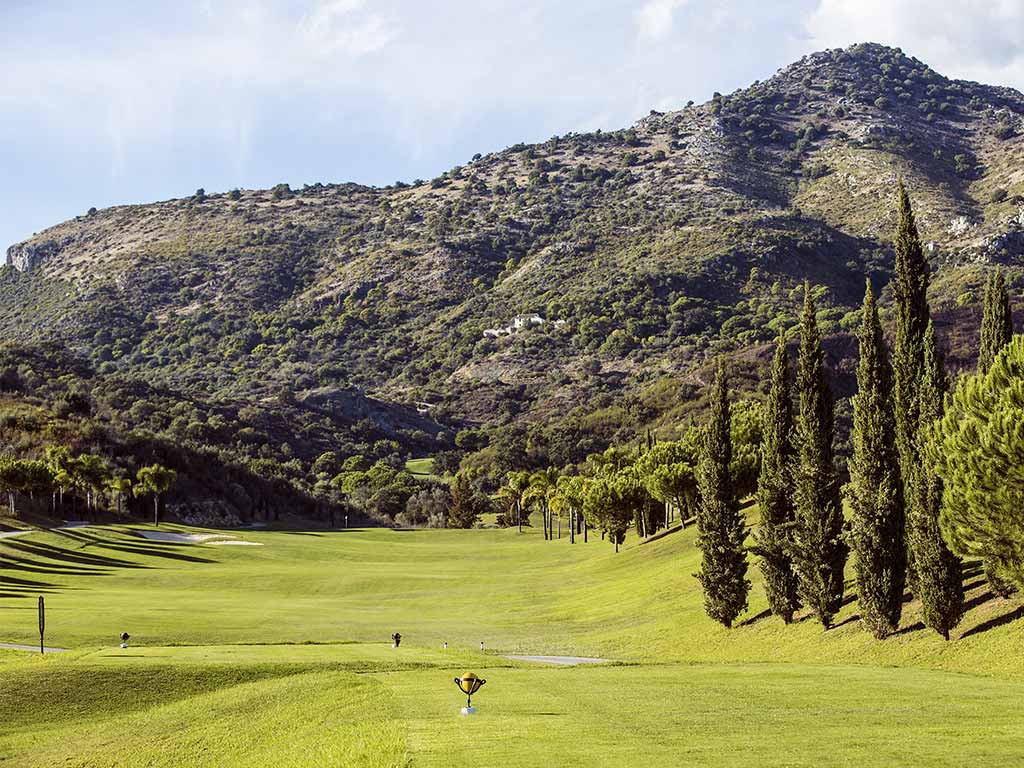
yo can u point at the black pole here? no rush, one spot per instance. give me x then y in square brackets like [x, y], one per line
[42, 624]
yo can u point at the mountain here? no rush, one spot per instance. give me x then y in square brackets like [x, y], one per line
[630, 259]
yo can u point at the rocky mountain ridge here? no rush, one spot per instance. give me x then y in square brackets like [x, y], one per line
[685, 236]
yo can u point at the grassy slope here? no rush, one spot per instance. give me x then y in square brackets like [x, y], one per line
[216, 702]
[517, 593]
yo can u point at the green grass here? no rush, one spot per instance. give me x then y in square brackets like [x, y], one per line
[745, 715]
[279, 655]
[421, 467]
[167, 716]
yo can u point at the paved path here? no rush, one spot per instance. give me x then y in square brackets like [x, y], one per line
[568, 660]
[12, 534]
[66, 526]
[34, 648]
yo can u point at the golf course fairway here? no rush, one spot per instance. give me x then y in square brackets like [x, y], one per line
[280, 655]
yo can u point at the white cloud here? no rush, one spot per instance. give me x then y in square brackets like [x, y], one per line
[654, 19]
[160, 97]
[209, 77]
[334, 26]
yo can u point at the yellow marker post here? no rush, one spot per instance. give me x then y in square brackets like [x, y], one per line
[469, 684]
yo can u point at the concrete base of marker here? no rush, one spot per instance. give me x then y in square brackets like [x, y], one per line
[469, 710]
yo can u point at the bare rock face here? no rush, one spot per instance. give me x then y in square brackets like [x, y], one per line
[25, 257]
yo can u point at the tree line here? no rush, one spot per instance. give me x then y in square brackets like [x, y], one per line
[80, 481]
[645, 486]
[933, 477]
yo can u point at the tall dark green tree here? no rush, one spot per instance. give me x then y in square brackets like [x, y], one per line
[721, 529]
[996, 332]
[939, 574]
[910, 296]
[468, 503]
[819, 551]
[996, 321]
[775, 490]
[876, 489]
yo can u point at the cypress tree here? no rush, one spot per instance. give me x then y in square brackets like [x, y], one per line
[996, 321]
[721, 529]
[819, 551]
[996, 332]
[876, 493]
[910, 294]
[939, 573]
[775, 492]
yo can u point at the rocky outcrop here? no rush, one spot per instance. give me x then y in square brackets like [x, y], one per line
[27, 256]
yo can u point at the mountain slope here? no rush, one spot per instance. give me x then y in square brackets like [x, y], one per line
[659, 246]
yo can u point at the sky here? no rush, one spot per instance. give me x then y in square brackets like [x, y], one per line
[119, 101]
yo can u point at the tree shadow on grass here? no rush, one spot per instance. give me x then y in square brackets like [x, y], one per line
[981, 599]
[995, 621]
[8, 581]
[971, 569]
[63, 555]
[849, 597]
[14, 587]
[12, 563]
[754, 619]
[145, 547]
[848, 620]
[915, 627]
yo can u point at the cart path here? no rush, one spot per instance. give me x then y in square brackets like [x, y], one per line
[12, 534]
[567, 660]
[30, 648]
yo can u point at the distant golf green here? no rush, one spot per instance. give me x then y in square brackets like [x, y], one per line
[420, 467]
[279, 654]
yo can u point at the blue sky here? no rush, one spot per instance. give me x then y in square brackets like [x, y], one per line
[117, 101]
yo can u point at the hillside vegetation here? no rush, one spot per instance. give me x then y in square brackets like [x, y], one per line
[276, 325]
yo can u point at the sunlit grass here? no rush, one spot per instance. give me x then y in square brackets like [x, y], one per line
[280, 654]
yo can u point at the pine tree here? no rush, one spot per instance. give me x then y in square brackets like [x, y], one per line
[977, 448]
[939, 573]
[775, 492]
[910, 295]
[721, 529]
[996, 332]
[876, 493]
[819, 551]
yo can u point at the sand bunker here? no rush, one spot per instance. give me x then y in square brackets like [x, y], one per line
[181, 538]
[238, 543]
[171, 537]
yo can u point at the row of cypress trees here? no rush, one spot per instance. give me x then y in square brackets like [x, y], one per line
[895, 497]
[800, 540]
